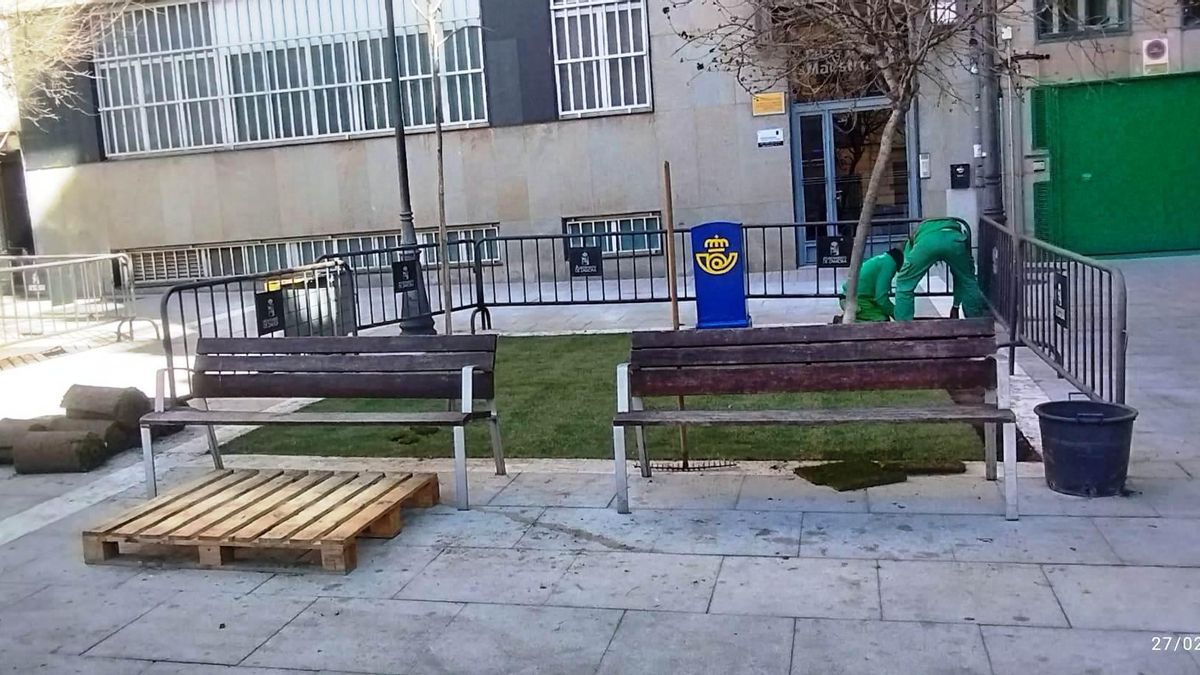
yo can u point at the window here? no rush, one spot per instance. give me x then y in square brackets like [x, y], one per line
[213, 73]
[463, 243]
[1061, 18]
[639, 233]
[1191, 12]
[601, 56]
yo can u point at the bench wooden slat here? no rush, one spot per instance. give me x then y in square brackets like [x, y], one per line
[339, 385]
[821, 352]
[263, 506]
[204, 506]
[814, 417]
[241, 418]
[336, 516]
[361, 520]
[297, 503]
[376, 344]
[214, 517]
[316, 509]
[893, 330]
[183, 502]
[950, 374]
[345, 363]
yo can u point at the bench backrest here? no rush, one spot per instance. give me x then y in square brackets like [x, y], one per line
[343, 367]
[942, 354]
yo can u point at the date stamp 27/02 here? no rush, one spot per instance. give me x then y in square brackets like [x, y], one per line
[1175, 643]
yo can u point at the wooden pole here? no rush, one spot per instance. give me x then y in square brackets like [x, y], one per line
[672, 287]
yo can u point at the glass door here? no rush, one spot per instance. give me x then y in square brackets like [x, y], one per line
[835, 150]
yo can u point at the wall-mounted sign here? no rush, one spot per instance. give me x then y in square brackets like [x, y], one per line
[924, 170]
[960, 176]
[268, 311]
[767, 103]
[833, 251]
[1062, 300]
[769, 138]
[405, 274]
[586, 261]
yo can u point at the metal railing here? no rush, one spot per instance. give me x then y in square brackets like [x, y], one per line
[379, 303]
[317, 299]
[1066, 308]
[533, 270]
[49, 295]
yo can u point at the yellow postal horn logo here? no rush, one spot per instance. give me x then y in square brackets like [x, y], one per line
[715, 259]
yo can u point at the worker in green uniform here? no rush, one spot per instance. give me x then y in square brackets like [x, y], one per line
[875, 286]
[945, 240]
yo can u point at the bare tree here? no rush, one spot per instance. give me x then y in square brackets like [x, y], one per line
[846, 49]
[46, 45]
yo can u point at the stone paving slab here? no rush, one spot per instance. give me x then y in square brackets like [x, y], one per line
[219, 628]
[12, 592]
[797, 587]
[1161, 469]
[383, 569]
[498, 575]
[168, 668]
[503, 639]
[663, 642]
[592, 530]
[1038, 500]
[443, 526]
[1170, 498]
[482, 486]
[685, 491]
[828, 647]
[993, 593]
[357, 635]
[769, 533]
[238, 582]
[1033, 539]
[937, 494]
[1129, 598]
[1153, 541]
[792, 493]
[11, 504]
[70, 619]
[532, 489]
[650, 581]
[59, 560]
[1022, 651]
[34, 662]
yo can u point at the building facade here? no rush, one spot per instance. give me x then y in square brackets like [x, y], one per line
[267, 123]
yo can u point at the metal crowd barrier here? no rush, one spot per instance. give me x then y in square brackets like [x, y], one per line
[310, 300]
[49, 295]
[1066, 308]
[379, 276]
[534, 270]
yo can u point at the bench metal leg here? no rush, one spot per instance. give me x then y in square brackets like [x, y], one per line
[148, 464]
[620, 470]
[640, 435]
[214, 448]
[989, 449]
[497, 446]
[460, 468]
[1010, 472]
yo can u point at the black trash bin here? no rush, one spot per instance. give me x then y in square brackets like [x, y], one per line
[1085, 446]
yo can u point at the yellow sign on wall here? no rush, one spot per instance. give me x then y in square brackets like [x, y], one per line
[768, 103]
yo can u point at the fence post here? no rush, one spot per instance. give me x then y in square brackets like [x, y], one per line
[1016, 291]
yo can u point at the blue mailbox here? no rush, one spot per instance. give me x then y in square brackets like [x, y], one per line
[720, 268]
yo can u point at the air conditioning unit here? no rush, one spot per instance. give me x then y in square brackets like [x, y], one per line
[1156, 56]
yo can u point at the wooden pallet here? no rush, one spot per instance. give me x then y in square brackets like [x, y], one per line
[225, 510]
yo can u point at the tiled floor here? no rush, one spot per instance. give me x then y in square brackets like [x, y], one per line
[711, 573]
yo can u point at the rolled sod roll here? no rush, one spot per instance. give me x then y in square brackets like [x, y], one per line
[106, 403]
[58, 452]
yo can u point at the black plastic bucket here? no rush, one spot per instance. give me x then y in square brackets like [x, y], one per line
[1085, 446]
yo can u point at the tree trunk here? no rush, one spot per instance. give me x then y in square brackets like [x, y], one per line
[444, 248]
[863, 229]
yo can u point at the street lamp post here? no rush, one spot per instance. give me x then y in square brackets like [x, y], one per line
[415, 317]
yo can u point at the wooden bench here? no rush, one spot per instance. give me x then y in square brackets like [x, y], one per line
[457, 368]
[953, 355]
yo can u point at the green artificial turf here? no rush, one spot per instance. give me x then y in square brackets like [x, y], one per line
[557, 398]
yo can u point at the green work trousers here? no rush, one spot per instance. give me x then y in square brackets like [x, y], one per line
[868, 309]
[929, 249]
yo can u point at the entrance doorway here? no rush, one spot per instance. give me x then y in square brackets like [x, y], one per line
[834, 145]
[16, 231]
